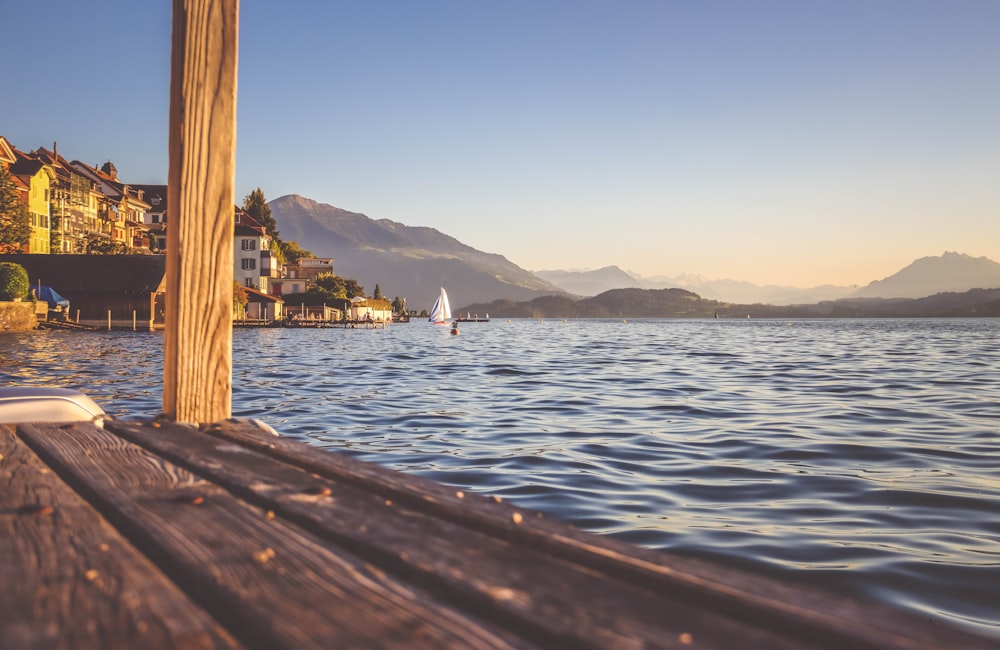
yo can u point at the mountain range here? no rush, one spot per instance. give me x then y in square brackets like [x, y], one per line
[413, 262]
[950, 272]
[405, 261]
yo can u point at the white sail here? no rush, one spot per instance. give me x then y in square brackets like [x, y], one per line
[441, 311]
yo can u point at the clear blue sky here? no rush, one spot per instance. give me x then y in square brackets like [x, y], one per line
[775, 141]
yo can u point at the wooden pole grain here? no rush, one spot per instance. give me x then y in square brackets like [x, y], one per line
[197, 363]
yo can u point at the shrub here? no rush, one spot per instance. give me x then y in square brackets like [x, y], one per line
[14, 282]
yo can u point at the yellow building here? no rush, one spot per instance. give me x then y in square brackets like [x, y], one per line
[38, 178]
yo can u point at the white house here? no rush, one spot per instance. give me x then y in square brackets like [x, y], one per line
[253, 262]
[370, 309]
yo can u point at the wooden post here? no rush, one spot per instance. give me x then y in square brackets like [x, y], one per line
[197, 363]
[133, 320]
[109, 320]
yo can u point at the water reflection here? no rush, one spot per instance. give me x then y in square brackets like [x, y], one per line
[859, 454]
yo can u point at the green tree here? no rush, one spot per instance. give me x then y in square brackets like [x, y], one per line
[256, 205]
[15, 223]
[55, 236]
[103, 246]
[292, 252]
[334, 285]
[399, 305]
[240, 296]
[14, 282]
[378, 292]
[278, 253]
[352, 288]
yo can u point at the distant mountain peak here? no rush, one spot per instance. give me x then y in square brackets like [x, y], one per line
[927, 276]
[405, 261]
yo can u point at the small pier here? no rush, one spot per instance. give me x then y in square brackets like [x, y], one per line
[168, 534]
[156, 535]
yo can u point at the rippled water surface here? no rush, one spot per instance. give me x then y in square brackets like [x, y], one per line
[861, 455]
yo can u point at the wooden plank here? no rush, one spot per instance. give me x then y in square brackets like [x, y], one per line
[543, 579]
[71, 581]
[197, 362]
[528, 592]
[270, 583]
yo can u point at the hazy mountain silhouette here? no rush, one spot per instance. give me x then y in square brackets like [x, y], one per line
[927, 276]
[592, 283]
[951, 272]
[679, 303]
[412, 262]
[405, 261]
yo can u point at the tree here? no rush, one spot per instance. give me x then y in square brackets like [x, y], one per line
[103, 246]
[292, 252]
[15, 223]
[55, 236]
[256, 205]
[240, 296]
[14, 282]
[378, 292]
[335, 285]
[352, 288]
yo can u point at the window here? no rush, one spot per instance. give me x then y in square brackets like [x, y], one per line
[249, 282]
[249, 245]
[249, 264]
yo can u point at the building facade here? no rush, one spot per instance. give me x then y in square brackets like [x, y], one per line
[254, 262]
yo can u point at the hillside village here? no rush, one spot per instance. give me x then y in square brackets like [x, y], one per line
[87, 231]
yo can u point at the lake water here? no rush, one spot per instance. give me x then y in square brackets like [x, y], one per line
[860, 455]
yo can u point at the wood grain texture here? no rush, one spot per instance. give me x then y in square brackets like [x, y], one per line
[271, 583]
[197, 366]
[288, 546]
[545, 599]
[69, 580]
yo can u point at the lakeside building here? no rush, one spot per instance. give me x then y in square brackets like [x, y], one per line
[76, 209]
[255, 264]
[73, 205]
[262, 307]
[155, 218]
[119, 205]
[299, 277]
[378, 310]
[33, 180]
[131, 287]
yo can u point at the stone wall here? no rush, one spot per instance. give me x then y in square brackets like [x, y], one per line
[17, 316]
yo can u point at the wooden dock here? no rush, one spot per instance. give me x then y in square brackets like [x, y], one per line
[170, 535]
[150, 535]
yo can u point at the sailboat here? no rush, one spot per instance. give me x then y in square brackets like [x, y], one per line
[441, 311]
[469, 318]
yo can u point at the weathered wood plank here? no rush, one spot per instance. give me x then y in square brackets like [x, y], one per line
[516, 586]
[197, 360]
[546, 580]
[69, 580]
[270, 583]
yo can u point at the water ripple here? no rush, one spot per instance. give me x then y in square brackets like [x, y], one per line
[855, 454]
